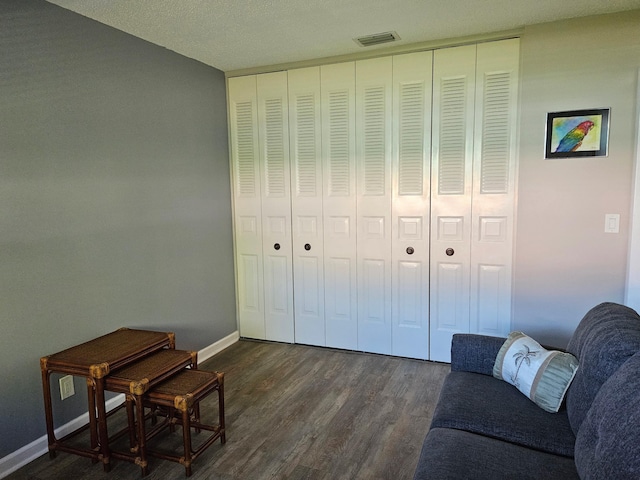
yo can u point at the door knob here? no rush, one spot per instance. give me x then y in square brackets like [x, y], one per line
[410, 250]
[449, 251]
[307, 247]
[277, 246]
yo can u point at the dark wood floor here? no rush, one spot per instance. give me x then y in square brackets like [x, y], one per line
[297, 412]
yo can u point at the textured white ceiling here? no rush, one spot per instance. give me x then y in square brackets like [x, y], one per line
[238, 34]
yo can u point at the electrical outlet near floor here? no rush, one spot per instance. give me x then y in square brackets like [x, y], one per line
[66, 387]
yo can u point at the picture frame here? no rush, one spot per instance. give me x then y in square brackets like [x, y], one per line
[577, 133]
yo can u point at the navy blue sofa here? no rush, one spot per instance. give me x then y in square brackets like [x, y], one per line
[484, 428]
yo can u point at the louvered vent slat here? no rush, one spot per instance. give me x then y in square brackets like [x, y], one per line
[496, 131]
[246, 181]
[274, 148]
[377, 39]
[452, 139]
[306, 146]
[339, 174]
[411, 139]
[374, 141]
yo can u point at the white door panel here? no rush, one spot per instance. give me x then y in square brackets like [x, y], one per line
[373, 157]
[250, 296]
[411, 154]
[449, 299]
[273, 128]
[339, 204]
[451, 180]
[306, 205]
[494, 173]
[245, 170]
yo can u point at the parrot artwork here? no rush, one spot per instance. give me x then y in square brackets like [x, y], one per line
[572, 140]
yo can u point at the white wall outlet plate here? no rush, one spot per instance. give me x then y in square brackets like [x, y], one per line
[66, 387]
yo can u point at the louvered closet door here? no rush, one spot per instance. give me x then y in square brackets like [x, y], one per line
[245, 171]
[373, 164]
[494, 187]
[273, 129]
[306, 205]
[337, 87]
[451, 179]
[475, 97]
[412, 74]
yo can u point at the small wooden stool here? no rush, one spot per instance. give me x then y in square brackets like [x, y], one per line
[183, 392]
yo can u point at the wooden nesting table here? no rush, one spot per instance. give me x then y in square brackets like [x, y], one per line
[183, 392]
[135, 380]
[94, 360]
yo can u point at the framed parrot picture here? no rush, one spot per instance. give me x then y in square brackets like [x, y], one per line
[577, 133]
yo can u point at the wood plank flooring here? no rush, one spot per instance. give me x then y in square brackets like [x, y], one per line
[299, 413]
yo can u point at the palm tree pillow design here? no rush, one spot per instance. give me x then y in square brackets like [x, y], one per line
[542, 375]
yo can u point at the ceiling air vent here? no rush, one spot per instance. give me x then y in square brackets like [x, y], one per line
[377, 39]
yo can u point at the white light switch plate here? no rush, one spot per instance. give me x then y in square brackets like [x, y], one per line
[612, 223]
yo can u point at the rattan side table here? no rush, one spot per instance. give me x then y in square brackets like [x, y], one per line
[94, 360]
[183, 392]
[135, 380]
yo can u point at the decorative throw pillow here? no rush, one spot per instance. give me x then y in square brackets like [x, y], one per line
[542, 375]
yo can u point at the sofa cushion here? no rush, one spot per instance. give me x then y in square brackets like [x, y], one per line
[608, 443]
[540, 374]
[605, 338]
[487, 406]
[454, 454]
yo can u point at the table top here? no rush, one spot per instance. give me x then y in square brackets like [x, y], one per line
[185, 388]
[97, 357]
[138, 377]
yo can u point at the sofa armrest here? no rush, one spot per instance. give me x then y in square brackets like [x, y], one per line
[474, 353]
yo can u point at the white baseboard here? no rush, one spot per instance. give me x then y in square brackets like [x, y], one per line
[39, 447]
[207, 352]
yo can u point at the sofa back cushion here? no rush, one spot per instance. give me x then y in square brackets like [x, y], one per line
[607, 336]
[609, 438]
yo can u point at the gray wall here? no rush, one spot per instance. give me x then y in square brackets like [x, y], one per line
[114, 199]
[565, 263]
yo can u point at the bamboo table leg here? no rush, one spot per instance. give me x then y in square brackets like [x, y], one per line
[48, 409]
[93, 425]
[103, 435]
[142, 450]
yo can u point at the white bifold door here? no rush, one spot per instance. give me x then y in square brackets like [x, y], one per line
[393, 106]
[262, 203]
[337, 102]
[411, 208]
[322, 102]
[373, 200]
[473, 185]
[351, 212]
